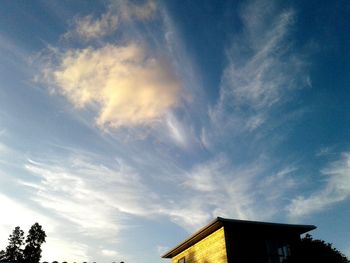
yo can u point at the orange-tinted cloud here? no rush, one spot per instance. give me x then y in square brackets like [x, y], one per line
[129, 87]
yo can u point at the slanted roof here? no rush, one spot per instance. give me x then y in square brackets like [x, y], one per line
[220, 222]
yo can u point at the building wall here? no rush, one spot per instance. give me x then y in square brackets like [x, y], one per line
[211, 249]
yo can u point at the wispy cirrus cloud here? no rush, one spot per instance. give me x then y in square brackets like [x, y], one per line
[91, 28]
[88, 27]
[335, 190]
[68, 188]
[130, 10]
[218, 188]
[262, 69]
[90, 203]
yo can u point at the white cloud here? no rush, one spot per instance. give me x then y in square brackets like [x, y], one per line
[76, 185]
[90, 203]
[261, 71]
[324, 151]
[63, 249]
[276, 185]
[176, 130]
[202, 177]
[217, 188]
[162, 249]
[183, 125]
[190, 215]
[129, 10]
[258, 80]
[336, 189]
[89, 27]
[3, 149]
[109, 253]
[127, 86]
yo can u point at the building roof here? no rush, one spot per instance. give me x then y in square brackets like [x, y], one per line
[220, 222]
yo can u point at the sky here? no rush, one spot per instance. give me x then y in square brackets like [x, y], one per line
[125, 126]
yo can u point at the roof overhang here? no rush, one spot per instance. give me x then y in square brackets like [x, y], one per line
[220, 222]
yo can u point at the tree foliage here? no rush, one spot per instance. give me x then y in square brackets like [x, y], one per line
[32, 245]
[14, 252]
[35, 238]
[314, 250]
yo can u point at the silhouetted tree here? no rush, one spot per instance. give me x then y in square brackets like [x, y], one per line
[2, 255]
[32, 251]
[14, 251]
[314, 250]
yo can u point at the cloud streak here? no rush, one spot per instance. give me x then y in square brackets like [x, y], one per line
[218, 188]
[131, 11]
[336, 189]
[68, 188]
[89, 202]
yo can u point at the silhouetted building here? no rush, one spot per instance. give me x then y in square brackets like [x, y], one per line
[239, 241]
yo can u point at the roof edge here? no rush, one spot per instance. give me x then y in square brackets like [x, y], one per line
[218, 223]
[201, 233]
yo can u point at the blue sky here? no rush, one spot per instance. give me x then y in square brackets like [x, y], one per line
[127, 125]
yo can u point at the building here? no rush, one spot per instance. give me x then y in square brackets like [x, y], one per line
[239, 241]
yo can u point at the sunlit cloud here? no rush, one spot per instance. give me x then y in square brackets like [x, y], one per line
[90, 27]
[126, 85]
[336, 189]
